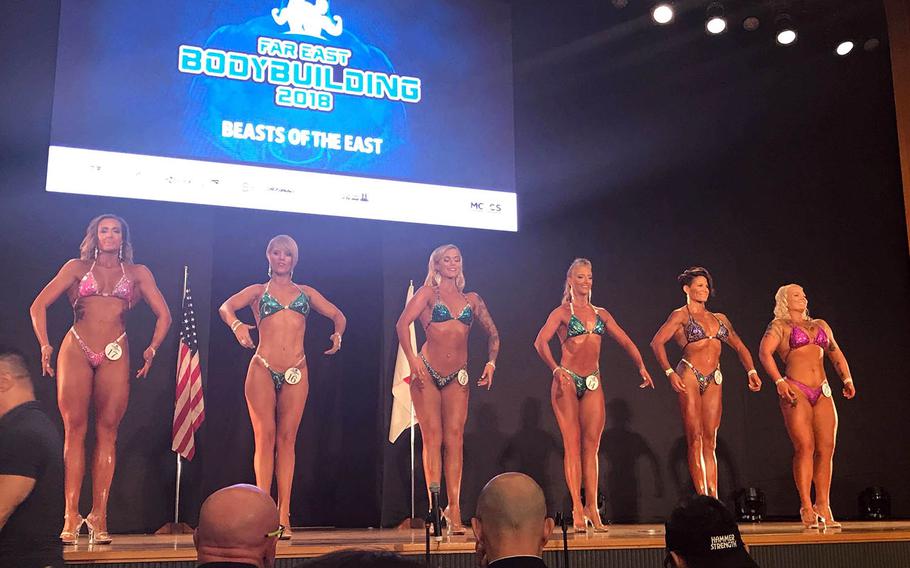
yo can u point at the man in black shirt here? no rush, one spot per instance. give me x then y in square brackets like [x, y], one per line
[31, 473]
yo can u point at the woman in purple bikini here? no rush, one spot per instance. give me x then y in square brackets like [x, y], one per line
[102, 285]
[805, 396]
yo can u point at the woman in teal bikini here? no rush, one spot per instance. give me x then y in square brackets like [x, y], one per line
[697, 378]
[575, 392]
[439, 376]
[277, 375]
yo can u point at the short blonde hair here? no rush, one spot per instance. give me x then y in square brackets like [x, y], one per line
[782, 307]
[567, 291]
[89, 247]
[433, 277]
[283, 241]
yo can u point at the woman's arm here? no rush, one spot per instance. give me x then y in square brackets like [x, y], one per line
[411, 312]
[622, 338]
[228, 313]
[745, 358]
[542, 345]
[486, 321]
[839, 360]
[331, 311]
[769, 345]
[663, 335]
[151, 293]
[65, 278]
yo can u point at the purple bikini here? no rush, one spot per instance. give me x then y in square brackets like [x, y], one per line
[88, 286]
[799, 338]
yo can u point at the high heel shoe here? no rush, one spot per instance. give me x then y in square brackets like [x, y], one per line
[827, 520]
[287, 533]
[810, 518]
[71, 537]
[583, 527]
[598, 526]
[455, 526]
[96, 536]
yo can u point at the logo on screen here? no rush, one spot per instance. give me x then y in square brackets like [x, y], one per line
[303, 18]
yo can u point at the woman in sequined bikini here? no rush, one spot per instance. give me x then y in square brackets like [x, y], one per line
[697, 378]
[805, 396]
[439, 375]
[575, 393]
[277, 384]
[102, 285]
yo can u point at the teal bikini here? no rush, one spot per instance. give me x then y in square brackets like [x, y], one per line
[269, 306]
[574, 328]
[439, 314]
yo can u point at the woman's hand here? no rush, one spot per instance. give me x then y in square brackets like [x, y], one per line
[786, 392]
[336, 344]
[676, 382]
[562, 377]
[242, 333]
[754, 382]
[486, 379]
[849, 390]
[419, 372]
[645, 378]
[46, 368]
[148, 355]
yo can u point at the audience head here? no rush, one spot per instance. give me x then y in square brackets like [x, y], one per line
[702, 533]
[238, 524]
[15, 381]
[511, 518]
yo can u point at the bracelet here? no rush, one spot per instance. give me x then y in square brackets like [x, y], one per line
[751, 372]
[557, 369]
[668, 371]
[847, 380]
[43, 347]
[492, 364]
[779, 381]
[237, 323]
[336, 334]
[154, 351]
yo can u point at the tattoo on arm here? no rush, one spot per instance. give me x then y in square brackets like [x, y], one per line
[483, 315]
[772, 331]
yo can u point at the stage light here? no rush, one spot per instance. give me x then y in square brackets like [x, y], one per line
[874, 504]
[662, 13]
[844, 47]
[751, 23]
[716, 23]
[786, 31]
[750, 504]
[871, 44]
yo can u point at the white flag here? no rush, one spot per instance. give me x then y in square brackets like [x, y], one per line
[402, 407]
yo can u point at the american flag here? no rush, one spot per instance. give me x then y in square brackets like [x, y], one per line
[189, 408]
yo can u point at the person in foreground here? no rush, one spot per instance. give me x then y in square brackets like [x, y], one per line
[102, 286]
[805, 397]
[575, 393]
[697, 378]
[238, 527]
[702, 533]
[31, 472]
[511, 523]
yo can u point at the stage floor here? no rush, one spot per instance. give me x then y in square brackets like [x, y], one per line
[313, 542]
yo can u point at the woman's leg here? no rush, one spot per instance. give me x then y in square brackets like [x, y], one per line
[566, 407]
[428, 407]
[824, 422]
[110, 397]
[711, 410]
[74, 391]
[260, 400]
[454, 414]
[798, 419]
[291, 402]
[690, 408]
[592, 416]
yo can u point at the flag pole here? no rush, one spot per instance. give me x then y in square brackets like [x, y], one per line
[413, 502]
[186, 271]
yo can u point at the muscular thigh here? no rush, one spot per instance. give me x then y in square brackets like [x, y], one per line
[592, 413]
[824, 421]
[712, 407]
[291, 402]
[260, 394]
[798, 418]
[427, 405]
[454, 399]
[74, 381]
[112, 389]
[690, 402]
[566, 407]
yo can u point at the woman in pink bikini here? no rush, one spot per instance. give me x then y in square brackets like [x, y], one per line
[102, 285]
[805, 396]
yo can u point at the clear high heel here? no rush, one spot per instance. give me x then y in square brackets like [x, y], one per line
[827, 520]
[810, 518]
[454, 526]
[583, 527]
[96, 536]
[597, 526]
[71, 537]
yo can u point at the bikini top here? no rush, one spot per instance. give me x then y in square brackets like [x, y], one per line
[88, 286]
[799, 338]
[441, 312]
[269, 305]
[695, 332]
[575, 327]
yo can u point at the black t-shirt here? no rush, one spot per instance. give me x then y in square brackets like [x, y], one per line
[30, 446]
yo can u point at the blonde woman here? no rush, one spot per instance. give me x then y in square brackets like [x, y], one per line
[439, 375]
[575, 393]
[697, 378]
[102, 285]
[801, 342]
[277, 382]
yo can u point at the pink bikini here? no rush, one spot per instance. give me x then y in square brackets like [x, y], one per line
[799, 338]
[88, 286]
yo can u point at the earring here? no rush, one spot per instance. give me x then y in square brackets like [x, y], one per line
[589, 297]
[120, 254]
[571, 295]
[270, 271]
[96, 252]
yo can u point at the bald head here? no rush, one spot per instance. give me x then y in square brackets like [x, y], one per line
[512, 516]
[233, 524]
[15, 381]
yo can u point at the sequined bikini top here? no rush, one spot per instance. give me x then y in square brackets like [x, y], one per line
[695, 332]
[575, 327]
[123, 289]
[441, 312]
[799, 338]
[269, 305]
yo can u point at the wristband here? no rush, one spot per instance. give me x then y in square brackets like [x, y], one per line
[752, 372]
[492, 364]
[848, 380]
[669, 371]
[779, 381]
[237, 323]
[43, 347]
[154, 351]
[557, 369]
